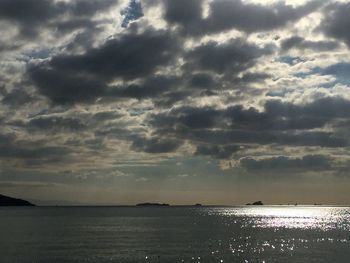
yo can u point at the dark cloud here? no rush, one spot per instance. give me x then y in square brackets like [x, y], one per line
[279, 124]
[307, 162]
[187, 118]
[301, 43]
[233, 56]
[149, 88]
[89, 7]
[183, 12]
[11, 147]
[80, 78]
[337, 21]
[106, 115]
[64, 87]
[29, 14]
[328, 108]
[202, 80]
[67, 26]
[16, 97]
[32, 15]
[55, 122]
[155, 144]
[226, 15]
[216, 151]
[128, 56]
[240, 136]
[253, 77]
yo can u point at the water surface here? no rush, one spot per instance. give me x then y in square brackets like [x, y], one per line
[175, 234]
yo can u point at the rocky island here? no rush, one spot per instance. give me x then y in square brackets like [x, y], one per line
[9, 201]
[152, 204]
[256, 203]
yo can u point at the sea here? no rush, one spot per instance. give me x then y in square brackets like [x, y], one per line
[175, 234]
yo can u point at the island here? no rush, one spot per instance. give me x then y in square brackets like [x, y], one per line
[152, 204]
[9, 201]
[256, 203]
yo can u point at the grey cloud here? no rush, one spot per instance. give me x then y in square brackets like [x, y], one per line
[308, 162]
[106, 115]
[279, 124]
[187, 117]
[226, 15]
[337, 21]
[202, 80]
[150, 87]
[32, 15]
[63, 87]
[55, 122]
[183, 12]
[155, 144]
[233, 56]
[16, 97]
[216, 151]
[89, 7]
[253, 77]
[81, 78]
[33, 152]
[328, 107]
[227, 136]
[301, 43]
[29, 14]
[11, 147]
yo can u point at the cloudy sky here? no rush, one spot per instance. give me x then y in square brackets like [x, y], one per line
[211, 101]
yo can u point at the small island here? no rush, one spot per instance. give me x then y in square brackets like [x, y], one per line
[152, 204]
[9, 201]
[256, 203]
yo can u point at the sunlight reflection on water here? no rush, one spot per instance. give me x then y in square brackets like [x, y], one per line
[303, 217]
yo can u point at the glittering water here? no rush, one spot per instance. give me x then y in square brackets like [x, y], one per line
[175, 234]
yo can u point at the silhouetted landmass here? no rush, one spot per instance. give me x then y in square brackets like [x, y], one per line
[9, 201]
[152, 204]
[256, 203]
[198, 205]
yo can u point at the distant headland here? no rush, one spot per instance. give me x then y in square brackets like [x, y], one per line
[9, 201]
[256, 203]
[152, 204]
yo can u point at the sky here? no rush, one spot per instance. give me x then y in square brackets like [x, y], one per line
[186, 101]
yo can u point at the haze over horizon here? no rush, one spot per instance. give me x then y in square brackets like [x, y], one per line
[175, 101]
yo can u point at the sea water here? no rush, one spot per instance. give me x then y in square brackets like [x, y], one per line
[175, 234]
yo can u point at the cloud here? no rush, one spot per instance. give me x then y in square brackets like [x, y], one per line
[32, 15]
[183, 12]
[300, 43]
[17, 97]
[155, 144]
[307, 162]
[233, 56]
[11, 147]
[55, 122]
[226, 15]
[337, 21]
[80, 78]
[217, 151]
[280, 123]
[150, 87]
